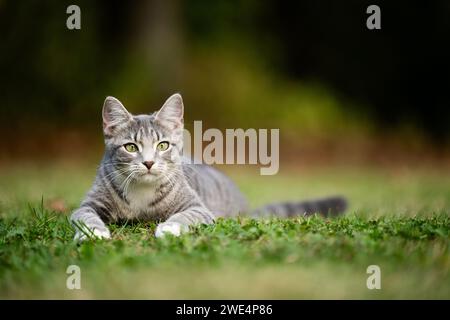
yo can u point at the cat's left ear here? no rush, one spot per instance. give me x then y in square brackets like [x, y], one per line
[115, 116]
[171, 113]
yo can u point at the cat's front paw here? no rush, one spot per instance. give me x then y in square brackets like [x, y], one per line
[92, 234]
[173, 228]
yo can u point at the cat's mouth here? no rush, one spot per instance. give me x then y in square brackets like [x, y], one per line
[149, 176]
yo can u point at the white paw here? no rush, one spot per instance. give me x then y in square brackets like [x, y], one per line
[173, 228]
[92, 234]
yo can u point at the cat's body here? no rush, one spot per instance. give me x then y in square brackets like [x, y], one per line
[159, 201]
[143, 176]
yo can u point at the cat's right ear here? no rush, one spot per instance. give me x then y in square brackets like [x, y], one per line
[114, 115]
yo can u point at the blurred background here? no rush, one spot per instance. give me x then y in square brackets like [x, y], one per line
[338, 91]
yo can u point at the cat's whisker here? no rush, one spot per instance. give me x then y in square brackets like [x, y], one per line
[115, 164]
[115, 174]
[125, 189]
[117, 170]
[123, 184]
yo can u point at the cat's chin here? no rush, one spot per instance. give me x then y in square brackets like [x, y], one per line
[149, 178]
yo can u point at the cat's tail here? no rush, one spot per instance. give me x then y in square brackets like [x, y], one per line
[328, 207]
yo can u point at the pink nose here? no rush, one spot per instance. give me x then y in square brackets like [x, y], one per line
[148, 164]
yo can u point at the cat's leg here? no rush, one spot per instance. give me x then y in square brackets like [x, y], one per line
[180, 222]
[88, 224]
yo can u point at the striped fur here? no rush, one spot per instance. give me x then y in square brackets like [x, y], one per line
[327, 207]
[172, 191]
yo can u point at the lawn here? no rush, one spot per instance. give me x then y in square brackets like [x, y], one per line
[399, 219]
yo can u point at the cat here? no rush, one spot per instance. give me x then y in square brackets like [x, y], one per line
[143, 176]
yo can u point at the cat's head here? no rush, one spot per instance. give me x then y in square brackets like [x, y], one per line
[147, 147]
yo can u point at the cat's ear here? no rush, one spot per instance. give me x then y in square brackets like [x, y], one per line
[114, 115]
[171, 113]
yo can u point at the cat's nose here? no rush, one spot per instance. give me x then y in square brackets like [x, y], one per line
[148, 164]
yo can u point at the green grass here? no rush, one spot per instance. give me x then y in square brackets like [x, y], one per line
[398, 220]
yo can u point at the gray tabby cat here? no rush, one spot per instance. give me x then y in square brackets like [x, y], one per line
[143, 176]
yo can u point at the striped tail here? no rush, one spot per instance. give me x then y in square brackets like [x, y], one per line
[327, 207]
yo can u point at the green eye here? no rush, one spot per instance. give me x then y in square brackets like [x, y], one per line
[131, 147]
[163, 146]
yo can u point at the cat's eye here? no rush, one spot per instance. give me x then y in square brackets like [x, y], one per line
[130, 147]
[163, 146]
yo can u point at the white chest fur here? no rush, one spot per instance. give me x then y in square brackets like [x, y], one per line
[140, 197]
